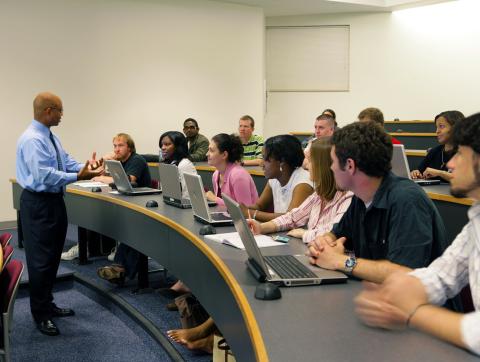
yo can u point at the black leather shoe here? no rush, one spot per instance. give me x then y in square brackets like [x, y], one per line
[62, 312]
[48, 327]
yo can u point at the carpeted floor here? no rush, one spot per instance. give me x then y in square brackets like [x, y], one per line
[97, 332]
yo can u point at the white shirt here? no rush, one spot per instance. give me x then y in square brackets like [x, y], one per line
[282, 195]
[185, 165]
[448, 274]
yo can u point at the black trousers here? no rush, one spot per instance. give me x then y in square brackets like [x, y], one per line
[44, 222]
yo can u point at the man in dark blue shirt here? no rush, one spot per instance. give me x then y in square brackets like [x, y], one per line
[391, 223]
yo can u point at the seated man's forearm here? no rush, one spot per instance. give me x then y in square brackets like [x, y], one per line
[376, 270]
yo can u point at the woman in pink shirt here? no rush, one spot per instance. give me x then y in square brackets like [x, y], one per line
[320, 210]
[224, 153]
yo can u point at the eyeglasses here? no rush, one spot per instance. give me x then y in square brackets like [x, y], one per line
[189, 127]
[58, 109]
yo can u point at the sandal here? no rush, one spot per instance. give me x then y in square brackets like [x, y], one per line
[114, 274]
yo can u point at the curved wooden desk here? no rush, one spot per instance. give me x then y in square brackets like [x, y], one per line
[308, 323]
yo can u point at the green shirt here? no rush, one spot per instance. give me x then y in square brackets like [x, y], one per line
[253, 149]
[197, 148]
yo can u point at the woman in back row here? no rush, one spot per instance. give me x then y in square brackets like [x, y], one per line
[434, 165]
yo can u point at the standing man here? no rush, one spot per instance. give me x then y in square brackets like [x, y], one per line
[197, 143]
[43, 170]
[252, 143]
[413, 300]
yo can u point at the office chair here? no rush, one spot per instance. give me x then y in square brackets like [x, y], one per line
[5, 239]
[9, 282]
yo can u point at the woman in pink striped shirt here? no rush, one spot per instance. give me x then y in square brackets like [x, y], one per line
[320, 210]
[224, 153]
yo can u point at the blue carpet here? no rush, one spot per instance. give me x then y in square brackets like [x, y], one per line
[151, 305]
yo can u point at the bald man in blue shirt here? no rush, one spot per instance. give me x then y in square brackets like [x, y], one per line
[43, 170]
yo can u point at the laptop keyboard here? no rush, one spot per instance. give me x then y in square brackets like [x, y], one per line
[220, 216]
[289, 267]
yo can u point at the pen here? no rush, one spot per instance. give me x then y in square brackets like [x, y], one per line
[250, 217]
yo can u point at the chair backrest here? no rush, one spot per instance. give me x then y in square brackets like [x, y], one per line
[7, 254]
[9, 282]
[5, 239]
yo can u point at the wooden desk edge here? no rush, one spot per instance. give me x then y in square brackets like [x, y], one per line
[212, 169]
[409, 121]
[413, 134]
[450, 198]
[251, 322]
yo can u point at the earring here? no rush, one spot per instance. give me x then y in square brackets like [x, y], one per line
[281, 169]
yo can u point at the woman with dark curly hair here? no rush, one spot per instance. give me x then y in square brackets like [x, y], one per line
[224, 153]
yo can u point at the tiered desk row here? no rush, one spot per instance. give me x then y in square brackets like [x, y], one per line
[306, 324]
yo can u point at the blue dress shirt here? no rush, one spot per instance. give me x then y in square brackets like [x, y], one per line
[37, 164]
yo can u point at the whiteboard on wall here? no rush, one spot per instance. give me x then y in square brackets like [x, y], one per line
[307, 58]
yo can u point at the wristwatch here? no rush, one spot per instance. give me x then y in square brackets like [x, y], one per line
[350, 264]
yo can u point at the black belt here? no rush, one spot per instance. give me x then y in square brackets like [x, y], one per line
[44, 193]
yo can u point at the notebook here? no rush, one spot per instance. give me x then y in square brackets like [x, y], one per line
[286, 270]
[400, 167]
[233, 239]
[199, 203]
[122, 181]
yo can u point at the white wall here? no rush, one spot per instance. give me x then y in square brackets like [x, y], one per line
[412, 64]
[139, 67]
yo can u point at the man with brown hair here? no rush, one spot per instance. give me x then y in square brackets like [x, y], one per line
[375, 115]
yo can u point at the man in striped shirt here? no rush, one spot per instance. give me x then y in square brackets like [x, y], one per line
[413, 299]
[252, 143]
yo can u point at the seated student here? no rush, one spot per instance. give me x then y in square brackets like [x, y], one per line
[288, 183]
[320, 210]
[127, 260]
[252, 143]
[327, 112]
[375, 115]
[390, 224]
[224, 153]
[135, 167]
[324, 126]
[197, 143]
[434, 165]
[174, 149]
[413, 300]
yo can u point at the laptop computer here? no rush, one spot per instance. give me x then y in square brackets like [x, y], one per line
[171, 186]
[286, 270]
[401, 168]
[199, 203]
[122, 181]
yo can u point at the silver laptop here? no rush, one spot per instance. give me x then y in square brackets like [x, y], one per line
[171, 186]
[199, 203]
[122, 181]
[401, 168]
[286, 270]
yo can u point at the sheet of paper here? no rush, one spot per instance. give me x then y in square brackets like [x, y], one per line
[90, 184]
[233, 239]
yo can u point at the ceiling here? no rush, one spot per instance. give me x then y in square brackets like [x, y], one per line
[309, 7]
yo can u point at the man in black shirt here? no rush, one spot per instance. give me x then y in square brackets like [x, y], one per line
[127, 259]
[391, 223]
[134, 165]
